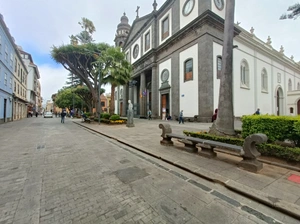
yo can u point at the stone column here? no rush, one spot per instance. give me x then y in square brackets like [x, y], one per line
[142, 98]
[130, 95]
[154, 93]
[125, 100]
[205, 78]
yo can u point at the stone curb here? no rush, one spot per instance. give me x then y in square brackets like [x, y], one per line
[275, 203]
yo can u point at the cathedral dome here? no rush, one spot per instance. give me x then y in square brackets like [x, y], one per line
[124, 23]
[124, 19]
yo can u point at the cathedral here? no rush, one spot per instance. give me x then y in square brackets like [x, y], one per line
[176, 53]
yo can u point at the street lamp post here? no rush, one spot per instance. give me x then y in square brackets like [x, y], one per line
[99, 98]
[73, 94]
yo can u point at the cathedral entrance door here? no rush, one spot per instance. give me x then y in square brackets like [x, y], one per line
[298, 107]
[121, 108]
[165, 105]
[279, 101]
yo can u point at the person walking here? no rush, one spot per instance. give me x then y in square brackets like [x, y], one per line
[63, 115]
[181, 117]
[257, 112]
[149, 115]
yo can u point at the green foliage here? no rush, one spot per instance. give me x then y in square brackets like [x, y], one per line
[114, 117]
[88, 114]
[204, 135]
[287, 153]
[64, 99]
[297, 127]
[277, 128]
[295, 12]
[105, 115]
[117, 71]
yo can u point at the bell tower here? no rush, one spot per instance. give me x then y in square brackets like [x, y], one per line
[122, 31]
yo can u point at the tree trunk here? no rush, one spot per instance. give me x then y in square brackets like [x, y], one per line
[224, 125]
[112, 100]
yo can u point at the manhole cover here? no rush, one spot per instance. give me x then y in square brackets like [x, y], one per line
[130, 174]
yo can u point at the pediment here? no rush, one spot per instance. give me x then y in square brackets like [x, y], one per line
[137, 25]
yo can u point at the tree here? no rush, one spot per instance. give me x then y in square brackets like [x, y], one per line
[294, 14]
[224, 125]
[83, 61]
[64, 99]
[84, 36]
[118, 71]
[86, 96]
[73, 80]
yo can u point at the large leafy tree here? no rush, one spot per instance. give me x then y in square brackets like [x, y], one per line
[83, 61]
[64, 99]
[117, 72]
[294, 12]
[73, 80]
[224, 125]
[85, 36]
[86, 96]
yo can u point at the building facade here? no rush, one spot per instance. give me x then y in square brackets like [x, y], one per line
[20, 87]
[33, 86]
[176, 52]
[39, 99]
[6, 72]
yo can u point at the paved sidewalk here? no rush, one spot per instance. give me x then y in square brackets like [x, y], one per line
[270, 186]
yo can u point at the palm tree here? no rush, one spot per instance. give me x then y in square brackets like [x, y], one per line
[224, 124]
[295, 12]
[117, 72]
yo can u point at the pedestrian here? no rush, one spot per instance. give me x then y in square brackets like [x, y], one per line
[63, 114]
[214, 117]
[181, 117]
[257, 112]
[149, 114]
[36, 114]
[168, 117]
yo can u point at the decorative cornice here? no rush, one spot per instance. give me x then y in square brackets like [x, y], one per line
[207, 18]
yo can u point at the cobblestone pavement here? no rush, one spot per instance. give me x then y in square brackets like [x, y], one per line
[61, 173]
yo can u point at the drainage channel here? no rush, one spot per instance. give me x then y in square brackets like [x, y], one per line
[221, 196]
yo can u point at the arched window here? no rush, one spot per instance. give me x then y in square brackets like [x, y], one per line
[264, 80]
[219, 66]
[290, 87]
[188, 70]
[298, 86]
[244, 72]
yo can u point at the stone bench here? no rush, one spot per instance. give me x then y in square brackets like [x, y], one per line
[248, 152]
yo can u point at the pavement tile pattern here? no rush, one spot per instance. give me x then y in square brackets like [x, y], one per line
[62, 173]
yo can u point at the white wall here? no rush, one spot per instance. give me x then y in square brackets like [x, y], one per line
[184, 20]
[165, 65]
[150, 31]
[168, 13]
[138, 42]
[217, 11]
[188, 94]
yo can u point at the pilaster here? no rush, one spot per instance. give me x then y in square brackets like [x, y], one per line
[142, 97]
[154, 92]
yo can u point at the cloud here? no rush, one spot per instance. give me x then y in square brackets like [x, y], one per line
[52, 79]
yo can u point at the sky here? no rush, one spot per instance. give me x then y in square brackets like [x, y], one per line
[38, 25]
